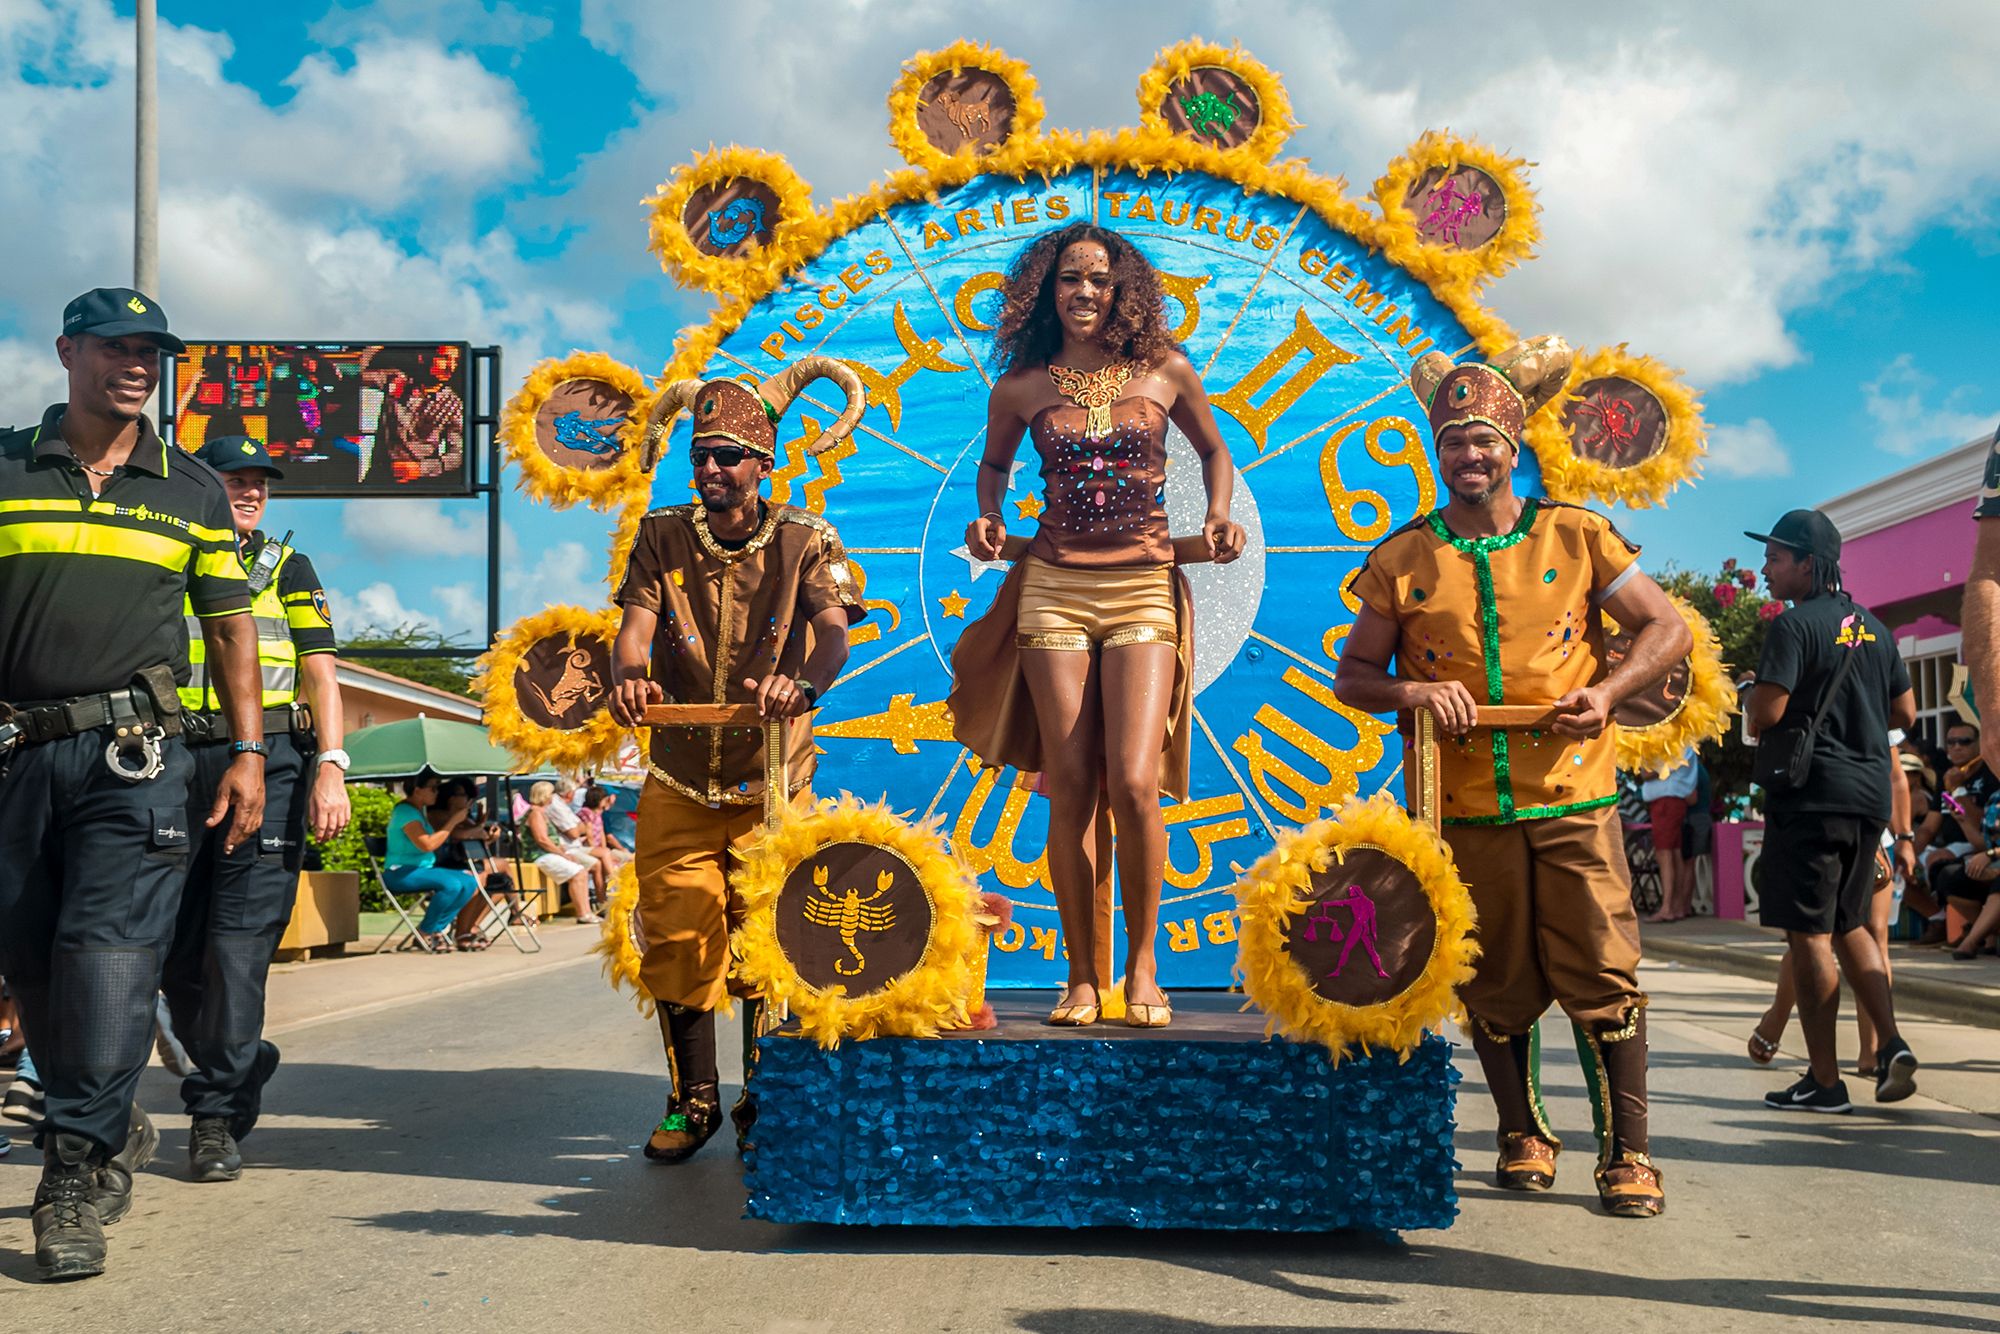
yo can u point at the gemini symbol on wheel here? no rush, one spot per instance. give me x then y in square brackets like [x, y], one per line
[849, 914]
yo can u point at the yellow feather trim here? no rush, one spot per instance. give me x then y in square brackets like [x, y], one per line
[1571, 477]
[1445, 265]
[544, 479]
[591, 744]
[930, 996]
[1703, 716]
[1177, 62]
[1278, 888]
[618, 944]
[796, 233]
[921, 68]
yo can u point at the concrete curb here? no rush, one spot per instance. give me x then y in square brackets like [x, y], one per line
[1927, 996]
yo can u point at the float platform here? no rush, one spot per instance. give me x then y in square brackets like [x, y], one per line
[1205, 1124]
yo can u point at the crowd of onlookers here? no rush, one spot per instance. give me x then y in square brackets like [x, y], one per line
[1955, 820]
[442, 842]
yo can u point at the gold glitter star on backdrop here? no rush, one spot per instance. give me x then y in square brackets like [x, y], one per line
[1029, 507]
[953, 604]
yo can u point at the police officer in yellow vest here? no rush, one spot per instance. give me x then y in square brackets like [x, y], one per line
[236, 904]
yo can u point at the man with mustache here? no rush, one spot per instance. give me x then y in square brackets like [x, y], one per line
[1492, 599]
[104, 531]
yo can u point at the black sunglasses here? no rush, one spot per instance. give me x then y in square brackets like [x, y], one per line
[725, 456]
[1959, 740]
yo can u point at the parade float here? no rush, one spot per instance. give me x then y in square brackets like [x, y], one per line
[1303, 308]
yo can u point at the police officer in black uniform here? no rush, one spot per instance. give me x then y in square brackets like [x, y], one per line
[236, 904]
[104, 531]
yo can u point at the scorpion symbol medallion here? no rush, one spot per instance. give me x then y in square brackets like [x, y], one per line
[850, 913]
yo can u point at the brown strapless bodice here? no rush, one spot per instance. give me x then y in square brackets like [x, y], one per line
[1104, 502]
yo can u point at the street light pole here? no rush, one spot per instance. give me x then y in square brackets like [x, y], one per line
[146, 161]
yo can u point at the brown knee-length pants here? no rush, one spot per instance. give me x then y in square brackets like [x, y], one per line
[684, 854]
[1555, 920]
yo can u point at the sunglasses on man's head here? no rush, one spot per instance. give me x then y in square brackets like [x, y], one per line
[725, 456]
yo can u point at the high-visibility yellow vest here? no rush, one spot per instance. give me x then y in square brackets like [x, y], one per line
[277, 656]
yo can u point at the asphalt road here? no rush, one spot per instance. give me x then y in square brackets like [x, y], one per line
[469, 1161]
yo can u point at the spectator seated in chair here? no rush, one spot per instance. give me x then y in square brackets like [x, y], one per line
[458, 798]
[410, 864]
[566, 863]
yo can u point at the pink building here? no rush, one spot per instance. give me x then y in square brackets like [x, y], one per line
[1906, 543]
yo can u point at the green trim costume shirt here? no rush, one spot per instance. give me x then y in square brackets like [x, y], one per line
[1514, 619]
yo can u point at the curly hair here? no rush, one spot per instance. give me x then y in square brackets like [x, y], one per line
[1030, 333]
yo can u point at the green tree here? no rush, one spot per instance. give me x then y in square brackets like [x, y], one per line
[1738, 611]
[452, 674]
[347, 852]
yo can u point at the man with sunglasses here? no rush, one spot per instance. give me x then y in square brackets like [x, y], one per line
[1968, 786]
[730, 600]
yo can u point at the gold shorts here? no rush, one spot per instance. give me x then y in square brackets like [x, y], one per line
[1064, 607]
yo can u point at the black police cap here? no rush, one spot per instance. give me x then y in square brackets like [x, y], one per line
[111, 312]
[226, 453]
[1805, 531]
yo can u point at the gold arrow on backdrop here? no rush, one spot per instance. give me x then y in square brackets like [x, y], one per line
[903, 724]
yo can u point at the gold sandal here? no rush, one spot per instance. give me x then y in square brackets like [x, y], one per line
[1139, 1014]
[1075, 1016]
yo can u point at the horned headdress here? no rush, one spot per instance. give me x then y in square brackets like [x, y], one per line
[1503, 393]
[733, 410]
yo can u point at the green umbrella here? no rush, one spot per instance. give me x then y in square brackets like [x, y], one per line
[407, 748]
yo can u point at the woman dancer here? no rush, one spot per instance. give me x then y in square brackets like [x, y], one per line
[1081, 670]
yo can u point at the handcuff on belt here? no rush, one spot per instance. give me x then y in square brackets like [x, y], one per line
[142, 716]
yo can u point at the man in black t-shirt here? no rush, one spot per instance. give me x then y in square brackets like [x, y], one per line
[1821, 838]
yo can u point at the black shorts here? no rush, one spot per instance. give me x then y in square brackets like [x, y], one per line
[1817, 872]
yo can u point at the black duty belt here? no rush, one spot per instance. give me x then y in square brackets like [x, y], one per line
[129, 710]
[205, 728]
[141, 717]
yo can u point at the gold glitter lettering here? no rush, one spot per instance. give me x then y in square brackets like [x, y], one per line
[1221, 927]
[1187, 291]
[925, 354]
[903, 724]
[1045, 942]
[1321, 354]
[1343, 502]
[1205, 836]
[934, 234]
[961, 304]
[1182, 936]
[1304, 799]
[997, 853]
[1011, 938]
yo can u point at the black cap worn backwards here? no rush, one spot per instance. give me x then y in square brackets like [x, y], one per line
[110, 312]
[226, 453]
[1807, 532]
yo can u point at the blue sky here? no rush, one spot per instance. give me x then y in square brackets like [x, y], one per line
[1800, 216]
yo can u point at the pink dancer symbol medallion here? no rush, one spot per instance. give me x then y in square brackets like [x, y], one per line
[1360, 931]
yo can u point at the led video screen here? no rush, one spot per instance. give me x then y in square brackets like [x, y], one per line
[338, 418]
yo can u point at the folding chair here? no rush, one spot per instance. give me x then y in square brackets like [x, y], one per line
[498, 920]
[377, 849]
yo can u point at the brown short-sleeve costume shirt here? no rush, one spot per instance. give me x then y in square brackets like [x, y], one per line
[1514, 619]
[727, 616]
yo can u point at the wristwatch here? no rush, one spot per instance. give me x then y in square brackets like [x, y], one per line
[811, 691]
[1905, 838]
[337, 758]
[248, 748]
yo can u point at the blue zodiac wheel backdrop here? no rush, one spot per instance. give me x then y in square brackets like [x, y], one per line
[1301, 309]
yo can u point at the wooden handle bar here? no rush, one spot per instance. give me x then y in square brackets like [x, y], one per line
[1187, 550]
[1515, 715]
[703, 715]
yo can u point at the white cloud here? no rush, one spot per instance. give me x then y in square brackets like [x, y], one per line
[33, 376]
[566, 573]
[457, 611]
[414, 527]
[275, 221]
[1749, 449]
[1701, 174]
[1911, 418]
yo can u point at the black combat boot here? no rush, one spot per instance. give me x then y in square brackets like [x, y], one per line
[262, 1067]
[69, 1237]
[212, 1151]
[113, 1192]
